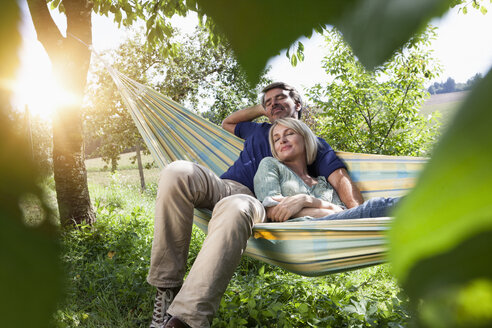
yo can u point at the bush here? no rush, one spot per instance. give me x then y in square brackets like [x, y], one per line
[272, 297]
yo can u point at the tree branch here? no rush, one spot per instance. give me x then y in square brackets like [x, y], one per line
[47, 32]
[395, 118]
[361, 111]
[350, 131]
[79, 20]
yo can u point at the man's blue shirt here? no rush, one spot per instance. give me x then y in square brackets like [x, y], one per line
[256, 147]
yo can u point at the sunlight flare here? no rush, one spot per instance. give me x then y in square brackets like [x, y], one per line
[37, 88]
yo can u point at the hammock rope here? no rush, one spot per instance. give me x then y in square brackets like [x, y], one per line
[172, 132]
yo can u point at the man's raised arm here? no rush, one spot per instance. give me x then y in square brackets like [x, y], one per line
[347, 190]
[243, 115]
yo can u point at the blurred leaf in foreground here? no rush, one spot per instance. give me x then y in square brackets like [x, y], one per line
[258, 30]
[30, 277]
[441, 241]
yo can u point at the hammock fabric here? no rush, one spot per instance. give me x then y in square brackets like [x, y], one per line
[172, 132]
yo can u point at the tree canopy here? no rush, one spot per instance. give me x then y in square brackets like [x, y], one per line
[376, 111]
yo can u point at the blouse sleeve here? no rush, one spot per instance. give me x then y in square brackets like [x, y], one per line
[267, 179]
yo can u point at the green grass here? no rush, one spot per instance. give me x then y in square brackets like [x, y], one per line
[125, 177]
[107, 264]
[126, 162]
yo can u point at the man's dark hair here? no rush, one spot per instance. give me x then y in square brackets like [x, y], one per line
[293, 93]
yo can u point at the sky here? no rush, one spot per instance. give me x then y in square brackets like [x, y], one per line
[463, 46]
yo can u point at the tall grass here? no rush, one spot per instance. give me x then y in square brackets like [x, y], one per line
[107, 264]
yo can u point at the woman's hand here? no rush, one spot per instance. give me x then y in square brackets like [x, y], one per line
[330, 206]
[315, 212]
[300, 205]
[287, 207]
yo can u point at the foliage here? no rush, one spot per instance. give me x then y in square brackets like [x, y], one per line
[463, 5]
[376, 111]
[30, 277]
[106, 266]
[451, 86]
[270, 297]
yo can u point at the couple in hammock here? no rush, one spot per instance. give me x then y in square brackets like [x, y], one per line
[303, 180]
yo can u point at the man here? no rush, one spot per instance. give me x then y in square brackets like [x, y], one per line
[184, 185]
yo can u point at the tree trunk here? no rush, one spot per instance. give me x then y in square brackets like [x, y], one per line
[70, 61]
[140, 168]
[114, 164]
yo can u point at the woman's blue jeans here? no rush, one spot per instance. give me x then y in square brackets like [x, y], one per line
[373, 208]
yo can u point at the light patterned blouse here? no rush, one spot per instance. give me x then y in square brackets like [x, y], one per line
[275, 179]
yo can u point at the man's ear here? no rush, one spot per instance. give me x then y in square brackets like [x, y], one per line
[298, 109]
[298, 106]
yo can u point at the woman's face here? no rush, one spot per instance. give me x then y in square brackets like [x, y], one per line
[288, 144]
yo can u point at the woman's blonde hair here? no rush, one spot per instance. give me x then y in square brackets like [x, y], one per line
[299, 127]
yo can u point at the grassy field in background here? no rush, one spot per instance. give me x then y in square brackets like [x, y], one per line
[447, 104]
[126, 162]
[127, 172]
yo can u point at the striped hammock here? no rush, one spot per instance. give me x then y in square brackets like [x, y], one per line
[172, 133]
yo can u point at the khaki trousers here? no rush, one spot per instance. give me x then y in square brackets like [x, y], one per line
[183, 186]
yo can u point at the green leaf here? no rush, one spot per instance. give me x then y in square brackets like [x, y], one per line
[293, 60]
[300, 55]
[442, 232]
[300, 46]
[31, 273]
[55, 4]
[117, 17]
[303, 308]
[258, 30]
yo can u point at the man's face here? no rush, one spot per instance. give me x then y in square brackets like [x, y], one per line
[278, 104]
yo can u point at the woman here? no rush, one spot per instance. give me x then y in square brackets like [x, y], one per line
[284, 186]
